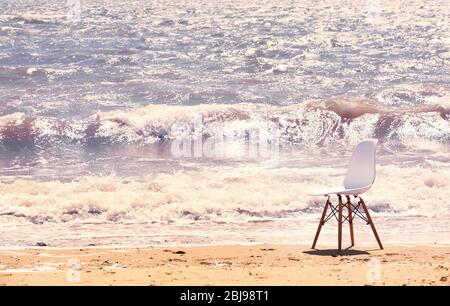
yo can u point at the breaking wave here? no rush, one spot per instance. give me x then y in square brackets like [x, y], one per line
[220, 194]
[307, 123]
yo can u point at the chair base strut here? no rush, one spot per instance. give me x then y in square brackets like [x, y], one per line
[336, 211]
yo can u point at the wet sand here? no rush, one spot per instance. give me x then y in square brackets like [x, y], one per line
[226, 265]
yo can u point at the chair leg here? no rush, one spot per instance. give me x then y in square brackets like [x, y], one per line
[322, 219]
[371, 222]
[350, 221]
[340, 224]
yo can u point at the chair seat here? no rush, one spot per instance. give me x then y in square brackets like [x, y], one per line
[340, 190]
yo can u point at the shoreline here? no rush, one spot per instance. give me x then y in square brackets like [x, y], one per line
[394, 230]
[361, 245]
[256, 264]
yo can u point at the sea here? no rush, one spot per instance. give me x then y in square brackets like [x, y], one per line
[137, 123]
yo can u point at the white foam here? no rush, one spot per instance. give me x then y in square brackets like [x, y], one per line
[216, 194]
[305, 123]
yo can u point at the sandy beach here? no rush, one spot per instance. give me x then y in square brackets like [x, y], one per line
[226, 265]
[181, 142]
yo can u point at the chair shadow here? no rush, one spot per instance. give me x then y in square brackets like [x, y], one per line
[335, 253]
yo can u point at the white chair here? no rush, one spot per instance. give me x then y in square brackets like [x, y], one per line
[360, 177]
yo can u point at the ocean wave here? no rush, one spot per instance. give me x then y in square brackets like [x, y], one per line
[216, 194]
[315, 122]
[32, 19]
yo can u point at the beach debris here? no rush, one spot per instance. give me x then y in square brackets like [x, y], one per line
[216, 263]
[41, 244]
[115, 266]
[179, 252]
[293, 259]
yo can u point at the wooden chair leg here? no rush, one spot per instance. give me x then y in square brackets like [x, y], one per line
[340, 224]
[371, 222]
[350, 221]
[321, 223]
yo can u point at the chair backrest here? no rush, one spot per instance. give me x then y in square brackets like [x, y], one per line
[361, 172]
